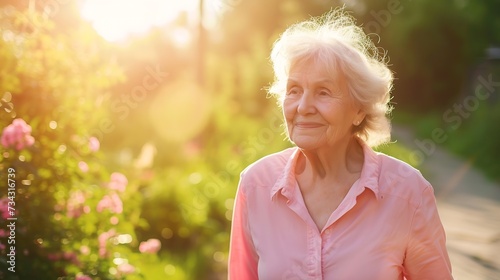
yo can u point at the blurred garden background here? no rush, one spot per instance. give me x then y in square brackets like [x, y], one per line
[126, 123]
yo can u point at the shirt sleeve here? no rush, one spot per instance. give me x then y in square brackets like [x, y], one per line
[426, 255]
[242, 256]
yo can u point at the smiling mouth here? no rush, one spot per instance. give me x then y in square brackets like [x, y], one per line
[308, 124]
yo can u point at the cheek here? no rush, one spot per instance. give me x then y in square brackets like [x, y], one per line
[337, 113]
[288, 110]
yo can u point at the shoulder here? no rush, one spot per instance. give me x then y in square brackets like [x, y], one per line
[398, 178]
[268, 168]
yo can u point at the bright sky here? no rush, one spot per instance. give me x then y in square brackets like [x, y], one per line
[115, 20]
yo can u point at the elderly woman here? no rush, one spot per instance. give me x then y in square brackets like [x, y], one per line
[331, 207]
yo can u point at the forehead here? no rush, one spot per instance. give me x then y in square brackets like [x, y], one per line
[313, 69]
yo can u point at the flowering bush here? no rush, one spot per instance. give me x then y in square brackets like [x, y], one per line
[70, 205]
[111, 202]
[118, 182]
[88, 217]
[17, 135]
[151, 246]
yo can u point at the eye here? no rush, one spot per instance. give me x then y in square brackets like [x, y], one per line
[293, 91]
[324, 92]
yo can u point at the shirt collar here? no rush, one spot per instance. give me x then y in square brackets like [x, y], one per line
[371, 170]
[287, 183]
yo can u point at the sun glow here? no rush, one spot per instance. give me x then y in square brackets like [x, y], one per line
[115, 20]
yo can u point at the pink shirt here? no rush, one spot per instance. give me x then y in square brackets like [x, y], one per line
[387, 227]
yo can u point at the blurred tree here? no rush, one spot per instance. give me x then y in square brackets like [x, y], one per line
[432, 45]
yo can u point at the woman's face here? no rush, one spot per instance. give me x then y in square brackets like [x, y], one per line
[319, 113]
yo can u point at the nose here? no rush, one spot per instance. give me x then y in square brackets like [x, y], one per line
[306, 104]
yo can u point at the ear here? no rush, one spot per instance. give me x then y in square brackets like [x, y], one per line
[358, 119]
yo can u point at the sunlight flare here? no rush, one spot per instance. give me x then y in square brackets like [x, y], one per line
[115, 20]
[180, 112]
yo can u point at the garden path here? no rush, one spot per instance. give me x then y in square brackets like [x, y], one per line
[469, 207]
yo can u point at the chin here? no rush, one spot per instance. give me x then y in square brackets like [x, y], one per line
[307, 144]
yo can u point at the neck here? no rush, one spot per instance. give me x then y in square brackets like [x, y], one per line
[336, 163]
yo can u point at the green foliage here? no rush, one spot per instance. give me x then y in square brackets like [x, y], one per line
[399, 151]
[54, 83]
[465, 136]
[470, 142]
[431, 45]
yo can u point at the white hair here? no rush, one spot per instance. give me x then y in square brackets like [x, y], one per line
[343, 48]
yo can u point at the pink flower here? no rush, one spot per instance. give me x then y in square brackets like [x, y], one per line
[103, 240]
[83, 277]
[2, 246]
[4, 207]
[125, 268]
[84, 167]
[75, 205]
[118, 182]
[17, 135]
[111, 202]
[94, 144]
[4, 233]
[151, 246]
